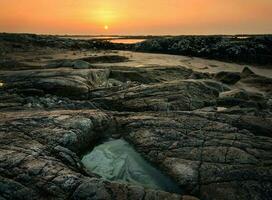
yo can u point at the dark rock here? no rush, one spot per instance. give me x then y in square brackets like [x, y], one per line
[261, 83]
[106, 59]
[62, 82]
[76, 64]
[247, 72]
[243, 99]
[167, 96]
[31, 92]
[228, 77]
[254, 49]
[154, 74]
[13, 65]
[97, 189]
[42, 161]
[205, 156]
[214, 140]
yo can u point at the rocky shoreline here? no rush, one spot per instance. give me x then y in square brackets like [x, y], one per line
[248, 49]
[209, 132]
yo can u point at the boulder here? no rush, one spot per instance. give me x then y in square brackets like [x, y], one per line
[247, 72]
[228, 77]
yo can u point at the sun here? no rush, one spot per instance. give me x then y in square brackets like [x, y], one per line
[106, 27]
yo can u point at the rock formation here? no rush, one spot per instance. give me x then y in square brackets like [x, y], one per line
[210, 133]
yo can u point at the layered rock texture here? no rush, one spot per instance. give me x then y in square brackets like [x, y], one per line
[209, 133]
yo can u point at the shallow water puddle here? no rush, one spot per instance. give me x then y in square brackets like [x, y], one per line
[220, 109]
[116, 160]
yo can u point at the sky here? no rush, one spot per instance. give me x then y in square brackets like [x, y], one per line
[136, 17]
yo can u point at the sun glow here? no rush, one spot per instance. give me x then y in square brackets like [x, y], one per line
[105, 13]
[136, 17]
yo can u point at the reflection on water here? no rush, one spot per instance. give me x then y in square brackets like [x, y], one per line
[126, 41]
[113, 39]
[116, 160]
[91, 37]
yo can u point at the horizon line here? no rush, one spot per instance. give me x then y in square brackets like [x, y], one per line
[136, 35]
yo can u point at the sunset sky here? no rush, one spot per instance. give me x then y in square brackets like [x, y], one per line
[136, 17]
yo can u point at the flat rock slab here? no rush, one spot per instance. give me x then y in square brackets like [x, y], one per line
[206, 156]
[65, 82]
[39, 157]
[167, 96]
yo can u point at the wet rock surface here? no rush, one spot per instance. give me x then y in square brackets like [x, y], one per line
[210, 133]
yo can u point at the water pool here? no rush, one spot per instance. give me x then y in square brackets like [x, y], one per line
[116, 160]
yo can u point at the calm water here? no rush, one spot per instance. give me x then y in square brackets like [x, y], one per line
[126, 41]
[116, 160]
[112, 39]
